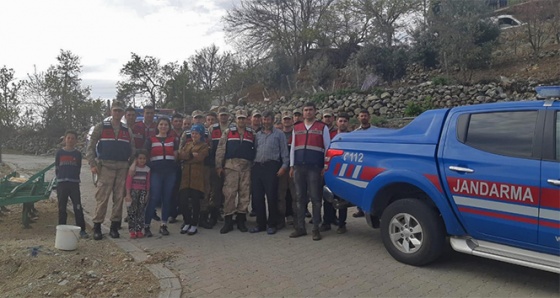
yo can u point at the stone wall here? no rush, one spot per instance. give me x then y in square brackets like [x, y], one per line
[392, 103]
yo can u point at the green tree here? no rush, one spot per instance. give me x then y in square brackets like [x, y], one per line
[9, 99]
[59, 98]
[181, 93]
[9, 104]
[466, 34]
[145, 76]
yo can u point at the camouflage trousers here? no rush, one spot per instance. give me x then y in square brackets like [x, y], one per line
[237, 191]
[112, 178]
[285, 184]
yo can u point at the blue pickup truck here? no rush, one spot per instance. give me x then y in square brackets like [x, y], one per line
[486, 177]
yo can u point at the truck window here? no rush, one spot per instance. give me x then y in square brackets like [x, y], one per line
[504, 133]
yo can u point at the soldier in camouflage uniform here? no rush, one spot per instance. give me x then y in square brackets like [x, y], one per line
[234, 158]
[108, 154]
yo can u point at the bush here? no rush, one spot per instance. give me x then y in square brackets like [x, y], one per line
[415, 108]
[389, 62]
[321, 71]
[440, 81]
[378, 121]
[426, 48]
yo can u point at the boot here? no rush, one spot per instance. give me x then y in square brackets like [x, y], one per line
[97, 231]
[203, 220]
[214, 212]
[228, 225]
[114, 230]
[241, 219]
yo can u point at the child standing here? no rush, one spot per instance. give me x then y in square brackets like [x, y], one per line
[137, 190]
[68, 163]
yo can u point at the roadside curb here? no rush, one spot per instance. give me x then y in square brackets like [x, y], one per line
[169, 283]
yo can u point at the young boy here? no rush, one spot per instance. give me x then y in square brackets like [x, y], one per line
[68, 163]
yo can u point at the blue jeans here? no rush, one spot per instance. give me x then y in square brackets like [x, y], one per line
[161, 191]
[308, 182]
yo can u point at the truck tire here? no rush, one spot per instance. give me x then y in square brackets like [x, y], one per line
[412, 232]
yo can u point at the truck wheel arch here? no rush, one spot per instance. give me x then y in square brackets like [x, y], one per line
[390, 186]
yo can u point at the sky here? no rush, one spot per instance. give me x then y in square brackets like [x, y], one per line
[104, 33]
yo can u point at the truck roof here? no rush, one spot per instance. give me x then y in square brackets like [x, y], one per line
[426, 128]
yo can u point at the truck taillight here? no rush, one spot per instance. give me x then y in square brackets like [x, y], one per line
[329, 156]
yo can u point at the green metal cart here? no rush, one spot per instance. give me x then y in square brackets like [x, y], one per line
[32, 190]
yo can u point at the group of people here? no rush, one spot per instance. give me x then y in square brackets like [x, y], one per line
[203, 165]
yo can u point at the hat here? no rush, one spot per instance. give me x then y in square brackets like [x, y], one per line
[222, 111]
[327, 112]
[256, 112]
[117, 105]
[197, 113]
[297, 111]
[198, 128]
[287, 114]
[241, 114]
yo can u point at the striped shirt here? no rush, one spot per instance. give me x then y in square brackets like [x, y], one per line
[141, 179]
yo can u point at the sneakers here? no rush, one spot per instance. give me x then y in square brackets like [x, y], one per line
[139, 234]
[185, 228]
[84, 234]
[172, 219]
[256, 230]
[192, 230]
[132, 235]
[316, 235]
[148, 232]
[271, 231]
[325, 227]
[341, 230]
[163, 230]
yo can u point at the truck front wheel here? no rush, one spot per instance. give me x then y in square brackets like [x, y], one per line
[412, 232]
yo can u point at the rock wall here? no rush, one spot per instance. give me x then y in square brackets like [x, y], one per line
[392, 103]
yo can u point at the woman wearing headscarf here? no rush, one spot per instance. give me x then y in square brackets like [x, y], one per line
[192, 183]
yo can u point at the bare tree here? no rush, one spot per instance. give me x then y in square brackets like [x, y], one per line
[346, 25]
[258, 26]
[388, 16]
[210, 69]
[537, 30]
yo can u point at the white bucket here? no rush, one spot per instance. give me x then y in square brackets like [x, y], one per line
[67, 237]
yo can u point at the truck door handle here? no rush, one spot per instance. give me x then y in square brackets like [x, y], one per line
[461, 169]
[553, 182]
